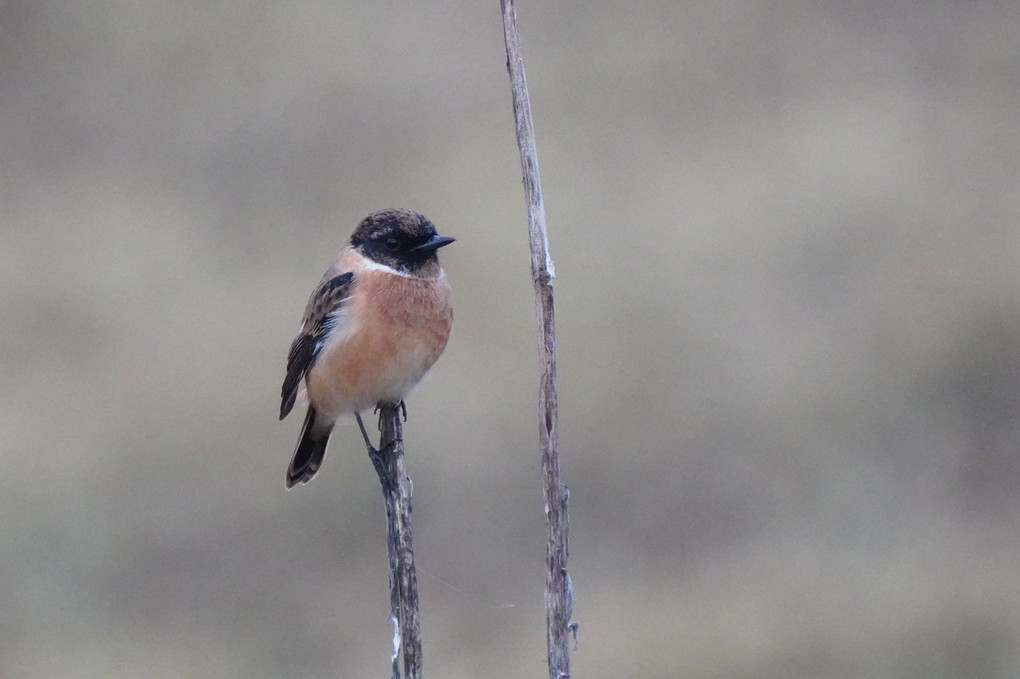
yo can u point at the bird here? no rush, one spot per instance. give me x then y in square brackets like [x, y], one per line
[375, 324]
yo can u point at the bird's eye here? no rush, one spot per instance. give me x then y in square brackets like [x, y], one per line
[392, 244]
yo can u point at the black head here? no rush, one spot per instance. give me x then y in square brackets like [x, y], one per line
[400, 239]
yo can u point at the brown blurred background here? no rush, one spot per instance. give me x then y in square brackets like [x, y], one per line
[786, 243]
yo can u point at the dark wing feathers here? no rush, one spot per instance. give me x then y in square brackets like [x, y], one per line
[321, 315]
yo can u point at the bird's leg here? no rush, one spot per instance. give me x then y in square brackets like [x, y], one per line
[382, 406]
[374, 455]
[364, 434]
[400, 404]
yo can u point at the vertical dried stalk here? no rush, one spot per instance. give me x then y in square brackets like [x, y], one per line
[396, 487]
[559, 595]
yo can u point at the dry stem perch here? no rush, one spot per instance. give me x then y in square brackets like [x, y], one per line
[396, 487]
[559, 595]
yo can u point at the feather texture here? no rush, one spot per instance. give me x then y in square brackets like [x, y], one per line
[323, 313]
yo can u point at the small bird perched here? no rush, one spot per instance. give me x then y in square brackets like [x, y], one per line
[373, 327]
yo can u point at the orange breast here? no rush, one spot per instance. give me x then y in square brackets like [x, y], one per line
[393, 332]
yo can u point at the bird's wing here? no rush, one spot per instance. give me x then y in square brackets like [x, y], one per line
[324, 311]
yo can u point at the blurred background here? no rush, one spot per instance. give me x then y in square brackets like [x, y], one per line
[787, 258]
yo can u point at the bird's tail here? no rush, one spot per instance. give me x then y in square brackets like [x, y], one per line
[310, 451]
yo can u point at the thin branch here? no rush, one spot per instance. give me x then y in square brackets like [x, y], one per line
[397, 487]
[559, 595]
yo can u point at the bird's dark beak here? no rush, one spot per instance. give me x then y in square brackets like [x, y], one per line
[433, 243]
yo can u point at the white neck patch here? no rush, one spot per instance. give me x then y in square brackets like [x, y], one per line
[372, 265]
